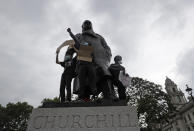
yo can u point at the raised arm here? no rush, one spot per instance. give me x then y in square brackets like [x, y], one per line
[66, 43]
[57, 59]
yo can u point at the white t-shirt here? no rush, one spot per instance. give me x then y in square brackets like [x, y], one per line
[126, 80]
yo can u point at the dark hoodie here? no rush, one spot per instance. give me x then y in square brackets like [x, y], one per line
[115, 70]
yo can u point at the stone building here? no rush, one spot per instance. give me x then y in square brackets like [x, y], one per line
[183, 118]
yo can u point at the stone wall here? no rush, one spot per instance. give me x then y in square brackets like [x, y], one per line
[118, 118]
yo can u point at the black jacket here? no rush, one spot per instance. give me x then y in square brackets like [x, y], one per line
[115, 70]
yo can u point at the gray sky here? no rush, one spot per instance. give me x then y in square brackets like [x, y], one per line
[155, 39]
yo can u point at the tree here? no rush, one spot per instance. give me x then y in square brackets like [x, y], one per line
[153, 104]
[55, 99]
[14, 117]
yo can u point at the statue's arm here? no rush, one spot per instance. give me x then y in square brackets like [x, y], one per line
[72, 35]
[77, 43]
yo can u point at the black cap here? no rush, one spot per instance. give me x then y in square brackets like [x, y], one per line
[117, 58]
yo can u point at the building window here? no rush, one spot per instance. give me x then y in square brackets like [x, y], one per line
[189, 117]
[188, 129]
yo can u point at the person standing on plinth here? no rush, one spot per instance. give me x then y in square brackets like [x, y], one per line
[115, 70]
[85, 66]
[69, 65]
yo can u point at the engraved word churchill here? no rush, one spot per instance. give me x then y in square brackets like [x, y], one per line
[83, 121]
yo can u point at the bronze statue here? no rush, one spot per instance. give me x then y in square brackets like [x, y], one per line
[101, 56]
[86, 67]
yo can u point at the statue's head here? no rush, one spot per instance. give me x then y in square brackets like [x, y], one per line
[118, 59]
[87, 25]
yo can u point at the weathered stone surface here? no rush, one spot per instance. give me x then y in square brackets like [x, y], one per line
[109, 118]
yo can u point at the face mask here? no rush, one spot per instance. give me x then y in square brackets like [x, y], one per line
[120, 62]
[85, 43]
[67, 57]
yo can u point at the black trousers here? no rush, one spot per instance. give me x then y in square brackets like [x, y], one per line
[87, 76]
[65, 82]
[121, 89]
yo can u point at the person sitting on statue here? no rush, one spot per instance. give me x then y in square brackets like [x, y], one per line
[115, 70]
[85, 66]
[69, 65]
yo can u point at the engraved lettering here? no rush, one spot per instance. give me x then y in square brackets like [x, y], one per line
[112, 120]
[93, 120]
[129, 122]
[37, 123]
[76, 121]
[50, 121]
[63, 124]
[120, 122]
[101, 120]
[88, 120]
[128, 117]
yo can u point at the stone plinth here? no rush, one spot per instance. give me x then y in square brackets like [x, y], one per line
[108, 118]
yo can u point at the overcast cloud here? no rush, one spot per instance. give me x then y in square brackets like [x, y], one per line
[155, 39]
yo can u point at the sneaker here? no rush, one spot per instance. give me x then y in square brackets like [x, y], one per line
[94, 97]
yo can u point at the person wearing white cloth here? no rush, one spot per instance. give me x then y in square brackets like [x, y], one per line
[125, 79]
[115, 70]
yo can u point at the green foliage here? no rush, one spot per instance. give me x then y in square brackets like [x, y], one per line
[55, 99]
[14, 117]
[152, 103]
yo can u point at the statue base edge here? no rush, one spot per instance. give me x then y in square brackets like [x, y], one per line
[99, 102]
